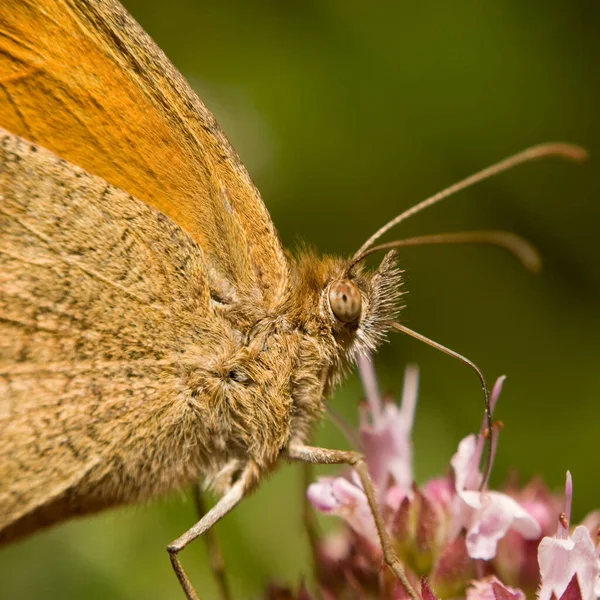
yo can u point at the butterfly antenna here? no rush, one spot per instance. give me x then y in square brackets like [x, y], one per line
[559, 149]
[488, 410]
[520, 248]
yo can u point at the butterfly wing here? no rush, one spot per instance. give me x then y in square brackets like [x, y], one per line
[81, 78]
[100, 295]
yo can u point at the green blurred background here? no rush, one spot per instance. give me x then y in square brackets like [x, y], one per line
[345, 113]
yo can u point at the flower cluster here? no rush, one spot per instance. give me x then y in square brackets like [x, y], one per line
[456, 538]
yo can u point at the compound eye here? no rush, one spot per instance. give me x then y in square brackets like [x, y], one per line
[345, 301]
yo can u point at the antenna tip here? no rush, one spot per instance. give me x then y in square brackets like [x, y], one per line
[564, 150]
[527, 254]
[532, 260]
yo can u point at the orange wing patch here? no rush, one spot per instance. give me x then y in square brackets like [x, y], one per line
[81, 78]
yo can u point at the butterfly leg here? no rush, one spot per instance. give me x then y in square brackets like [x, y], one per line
[323, 456]
[217, 564]
[227, 502]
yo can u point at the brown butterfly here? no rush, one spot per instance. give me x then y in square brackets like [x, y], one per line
[154, 333]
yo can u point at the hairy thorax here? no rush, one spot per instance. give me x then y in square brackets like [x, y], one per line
[248, 399]
[262, 383]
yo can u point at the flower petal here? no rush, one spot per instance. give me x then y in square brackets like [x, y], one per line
[466, 464]
[440, 492]
[368, 377]
[385, 431]
[338, 496]
[320, 495]
[492, 515]
[388, 448]
[561, 559]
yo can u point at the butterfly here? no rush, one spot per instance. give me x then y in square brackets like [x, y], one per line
[154, 331]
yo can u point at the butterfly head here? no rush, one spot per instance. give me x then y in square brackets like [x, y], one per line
[343, 308]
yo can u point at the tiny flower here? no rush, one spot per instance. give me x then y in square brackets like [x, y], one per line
[385, 429]
[344, 498]
[516, 559]
[385, 435]
[458, 538]
[568, 559]
[562, 559]
[487, 516]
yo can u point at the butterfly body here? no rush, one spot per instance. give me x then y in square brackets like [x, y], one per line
[127, 370]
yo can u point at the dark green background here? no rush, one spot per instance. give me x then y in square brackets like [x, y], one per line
[346, 113]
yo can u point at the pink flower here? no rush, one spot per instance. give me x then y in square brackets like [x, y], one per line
[344, 498]
[487, 516]
[385, 429]
[444, 530]
[385, 436]
[516, 559]
[565, 558]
